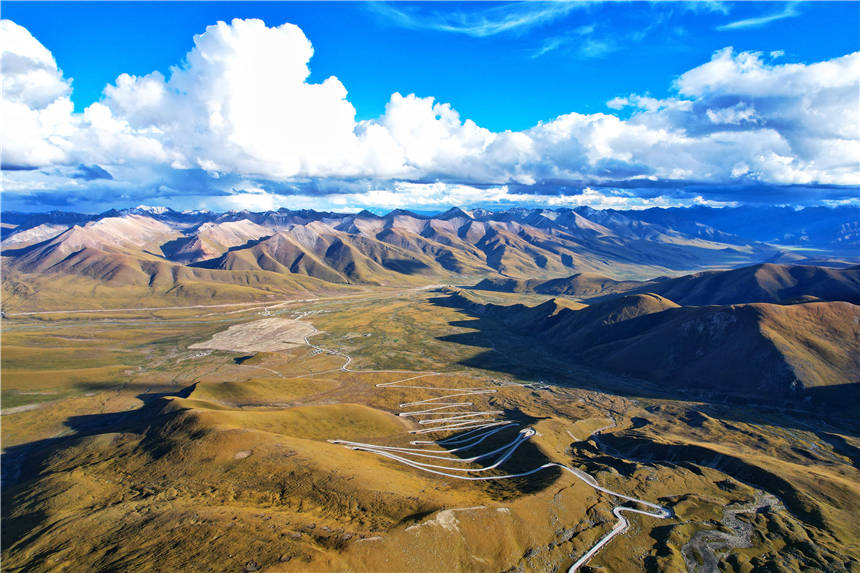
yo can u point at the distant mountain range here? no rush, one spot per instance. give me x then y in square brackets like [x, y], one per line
[835, 229]
[164, 250]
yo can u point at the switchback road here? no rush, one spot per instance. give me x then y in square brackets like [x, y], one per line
[448, 413]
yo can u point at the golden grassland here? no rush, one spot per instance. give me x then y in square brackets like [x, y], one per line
[139, 453]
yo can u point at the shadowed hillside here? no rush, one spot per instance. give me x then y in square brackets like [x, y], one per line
[787, 352]
[759, 283]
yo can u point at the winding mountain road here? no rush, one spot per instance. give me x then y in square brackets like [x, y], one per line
[440, 414]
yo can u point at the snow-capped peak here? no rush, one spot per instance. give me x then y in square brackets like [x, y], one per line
[158, 210]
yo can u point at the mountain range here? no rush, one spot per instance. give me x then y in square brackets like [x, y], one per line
[162, 249]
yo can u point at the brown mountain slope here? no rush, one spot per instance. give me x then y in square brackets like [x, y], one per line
[580, 285]
[586, 285]
[32, 236]
[757, 349]
[763, 283]
[167, 285]
[758, 283]
[319, 250]
[110, 249]
[103, 262]
[613, 319]
[444, 247]
[214, 239]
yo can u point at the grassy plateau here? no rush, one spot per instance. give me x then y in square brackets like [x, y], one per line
[126, 449]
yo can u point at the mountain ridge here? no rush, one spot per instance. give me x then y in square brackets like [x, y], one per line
[763, 282]
[763, 350]
[585, 251]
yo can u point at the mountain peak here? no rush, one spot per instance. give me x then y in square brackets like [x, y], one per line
[153, 210]
[454, 213]
[403, 213]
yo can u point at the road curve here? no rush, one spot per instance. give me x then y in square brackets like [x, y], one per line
[480, 425]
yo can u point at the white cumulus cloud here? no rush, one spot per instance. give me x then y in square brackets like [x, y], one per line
[35, 108]
[241, 106]
[241, 102]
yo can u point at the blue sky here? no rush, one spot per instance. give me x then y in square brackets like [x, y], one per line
[498, 80]
[501, 66]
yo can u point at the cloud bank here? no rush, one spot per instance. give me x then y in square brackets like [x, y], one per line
[239, 120]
